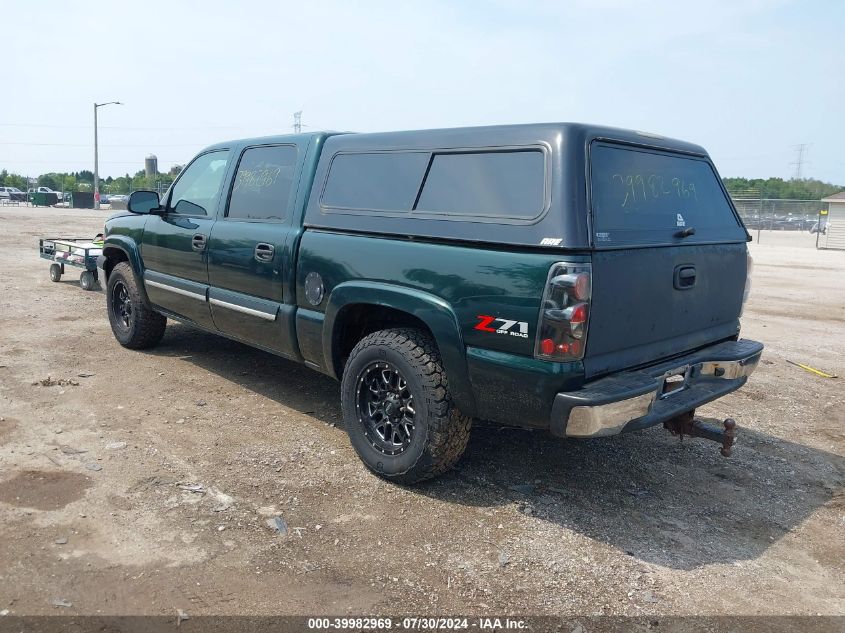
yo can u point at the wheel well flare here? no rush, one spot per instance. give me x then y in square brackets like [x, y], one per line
[356, 321]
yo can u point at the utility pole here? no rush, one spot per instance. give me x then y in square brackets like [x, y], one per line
[801, 150]
[297, 122]
[96, 154]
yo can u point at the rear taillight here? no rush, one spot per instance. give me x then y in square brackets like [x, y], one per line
[564, 313]
[749, 268]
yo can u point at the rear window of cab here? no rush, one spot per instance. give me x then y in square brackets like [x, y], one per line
[644, 196]
[501, 185]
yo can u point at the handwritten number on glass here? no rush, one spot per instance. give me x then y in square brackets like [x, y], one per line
[257, 178]
[640, 188]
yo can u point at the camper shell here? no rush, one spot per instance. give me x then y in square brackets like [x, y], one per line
[545, 173]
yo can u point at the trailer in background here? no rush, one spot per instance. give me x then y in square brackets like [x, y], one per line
[79, 252]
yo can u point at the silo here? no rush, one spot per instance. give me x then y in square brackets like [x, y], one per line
[151, 166]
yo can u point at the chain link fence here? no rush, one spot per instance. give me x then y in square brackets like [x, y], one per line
[770, 214]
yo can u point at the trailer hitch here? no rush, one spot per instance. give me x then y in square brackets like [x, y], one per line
[723, 432]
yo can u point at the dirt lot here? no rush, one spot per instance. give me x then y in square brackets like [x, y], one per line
[143, 484]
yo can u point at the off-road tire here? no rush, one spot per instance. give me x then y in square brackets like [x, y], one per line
[146, 326]
[56, 272]
[440, 432]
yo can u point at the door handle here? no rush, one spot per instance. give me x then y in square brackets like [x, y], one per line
[198, 242]
[684, 277]
[264, 252]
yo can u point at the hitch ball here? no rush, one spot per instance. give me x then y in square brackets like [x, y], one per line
[722, 432]
[729, 436]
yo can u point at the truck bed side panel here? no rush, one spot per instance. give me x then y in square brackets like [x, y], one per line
[482, 286]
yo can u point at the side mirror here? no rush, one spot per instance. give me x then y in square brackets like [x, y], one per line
[143, 202]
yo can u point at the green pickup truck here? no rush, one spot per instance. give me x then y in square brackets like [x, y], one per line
[580, 279]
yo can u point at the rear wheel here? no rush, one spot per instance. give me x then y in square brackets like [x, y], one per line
[134, 324]
[55, 272]
[397, 407]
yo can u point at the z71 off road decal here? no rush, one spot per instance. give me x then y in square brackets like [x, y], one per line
[498, 325]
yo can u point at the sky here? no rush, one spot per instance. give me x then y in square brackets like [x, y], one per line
[747, 79]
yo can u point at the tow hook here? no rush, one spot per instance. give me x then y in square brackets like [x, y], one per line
[723, 432]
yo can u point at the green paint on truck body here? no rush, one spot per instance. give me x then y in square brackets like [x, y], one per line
[447, 287]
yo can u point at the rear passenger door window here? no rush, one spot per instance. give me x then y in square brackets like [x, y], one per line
[263, 184]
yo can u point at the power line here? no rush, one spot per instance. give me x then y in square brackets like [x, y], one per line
[297, 122]
[801, 151]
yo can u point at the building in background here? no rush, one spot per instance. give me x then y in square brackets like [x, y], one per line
[151, 166]
[834, 235]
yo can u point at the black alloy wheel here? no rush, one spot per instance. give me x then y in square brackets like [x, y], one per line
[121, 305]
[385, 408]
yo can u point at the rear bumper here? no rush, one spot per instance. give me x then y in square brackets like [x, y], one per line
[633, 400]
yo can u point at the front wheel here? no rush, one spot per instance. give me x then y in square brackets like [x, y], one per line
[55, 272]
[134, 324]
[397, 407]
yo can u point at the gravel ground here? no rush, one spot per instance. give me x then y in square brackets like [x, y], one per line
[142, 483]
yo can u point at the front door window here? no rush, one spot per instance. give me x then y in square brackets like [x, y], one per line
[198, 188]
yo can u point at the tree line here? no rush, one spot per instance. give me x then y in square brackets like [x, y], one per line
[778, 188]
[84, 181]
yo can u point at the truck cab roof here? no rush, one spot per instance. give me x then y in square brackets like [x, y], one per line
[278, 139]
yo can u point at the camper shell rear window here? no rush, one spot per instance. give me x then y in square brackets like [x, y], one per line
[642, 196]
